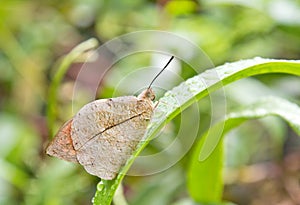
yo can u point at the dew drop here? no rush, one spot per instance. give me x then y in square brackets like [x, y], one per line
[100, 186]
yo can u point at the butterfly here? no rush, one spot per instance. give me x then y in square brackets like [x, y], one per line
[104, 133]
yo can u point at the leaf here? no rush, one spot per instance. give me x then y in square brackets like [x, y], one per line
[266, 106]
[190, 91]
[204, 181]
[205, 170]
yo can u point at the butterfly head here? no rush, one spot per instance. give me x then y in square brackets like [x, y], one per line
[147, 94]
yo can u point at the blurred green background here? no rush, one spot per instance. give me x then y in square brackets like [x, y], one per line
[262, 167]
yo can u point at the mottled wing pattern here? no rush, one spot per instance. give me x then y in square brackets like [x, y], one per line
[95, 117]
[108, 152]
[105, 133]
[62, 145]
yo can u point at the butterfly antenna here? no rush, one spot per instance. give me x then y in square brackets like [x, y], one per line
[161, 71]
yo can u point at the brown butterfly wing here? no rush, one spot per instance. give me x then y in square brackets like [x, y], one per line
[62, 145]
[106, 132]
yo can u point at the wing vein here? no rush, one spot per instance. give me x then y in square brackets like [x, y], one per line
[93, 137]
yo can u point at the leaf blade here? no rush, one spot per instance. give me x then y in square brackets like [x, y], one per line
[207, 150]
[192, 90]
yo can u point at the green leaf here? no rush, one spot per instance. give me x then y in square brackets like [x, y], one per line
[187, 93]
[267, 106]
[205, 182]
[181, 7]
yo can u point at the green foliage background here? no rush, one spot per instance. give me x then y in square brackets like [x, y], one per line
[262, 157]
